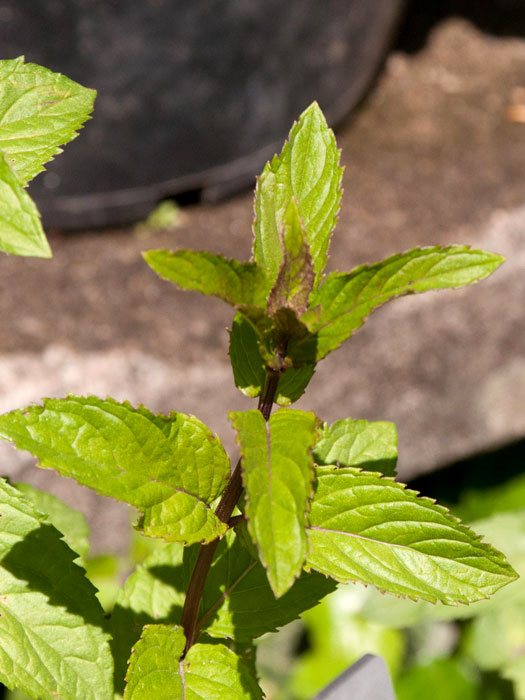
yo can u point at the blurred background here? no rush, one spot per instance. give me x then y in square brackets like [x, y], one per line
[428, 103]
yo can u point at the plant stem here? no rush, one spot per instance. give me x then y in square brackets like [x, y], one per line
[223, 511]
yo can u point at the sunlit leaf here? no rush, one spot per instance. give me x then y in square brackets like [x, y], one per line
[238, 284]
[345, 299]
[210, 672]
[306, 171]
[358, 443]
[277, 474]
[39, 111]
[170, 467]
[366, 527]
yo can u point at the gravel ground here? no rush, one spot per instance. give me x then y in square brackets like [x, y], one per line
[436, 154]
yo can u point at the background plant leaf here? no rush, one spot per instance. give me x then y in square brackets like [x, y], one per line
[366, 527]
[358, 443]
[21, 231]
[337, 639]
[308, 171]
[70, 522]
[345, 299]
[440, 678]
[170, 467]
[53, 641]
[208, 671]
[277, 474]
[238, 284]
[39, 111]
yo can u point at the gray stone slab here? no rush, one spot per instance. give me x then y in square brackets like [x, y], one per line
[367, 679]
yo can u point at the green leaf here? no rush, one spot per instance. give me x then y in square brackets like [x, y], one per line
[358, 443]
[296, 276]
[345, 299]
[170, 467]
[505, 531]
[249, 370]
[292, 384]
[506, 496]
[277, 474]
[154, 592]
[52, 638]
[210, 672]
[442, 678]
[366, 527]
[247, 364]
[70, 522]
[39, 111]
[308, 172]
[238, 602]
[21, 231]
[514, 671]
[494, 639]
[238, 284]
[105, 572]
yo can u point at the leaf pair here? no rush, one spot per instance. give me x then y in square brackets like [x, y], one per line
[208, 671]
[289, 316]
[237, 602]
[39, 111]
[349, 524]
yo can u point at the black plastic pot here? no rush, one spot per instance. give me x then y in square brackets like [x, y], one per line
[194, 94]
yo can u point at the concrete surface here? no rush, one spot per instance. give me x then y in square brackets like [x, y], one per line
[435, 155]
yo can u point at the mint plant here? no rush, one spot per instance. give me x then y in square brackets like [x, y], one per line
[246, 549]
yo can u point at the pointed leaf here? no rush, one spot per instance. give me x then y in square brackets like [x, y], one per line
[292, 384]
[358, 443]
[209, 671]
[52, 637]
[366, 527]
[170, 467]
[347, 298]
[238, 602]
[21, 231]
[308, 171]
[296, 276]
[277, 474]
[70, 522]
[39, 111]
[238, 284]
[247, 364]
[249, 370]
